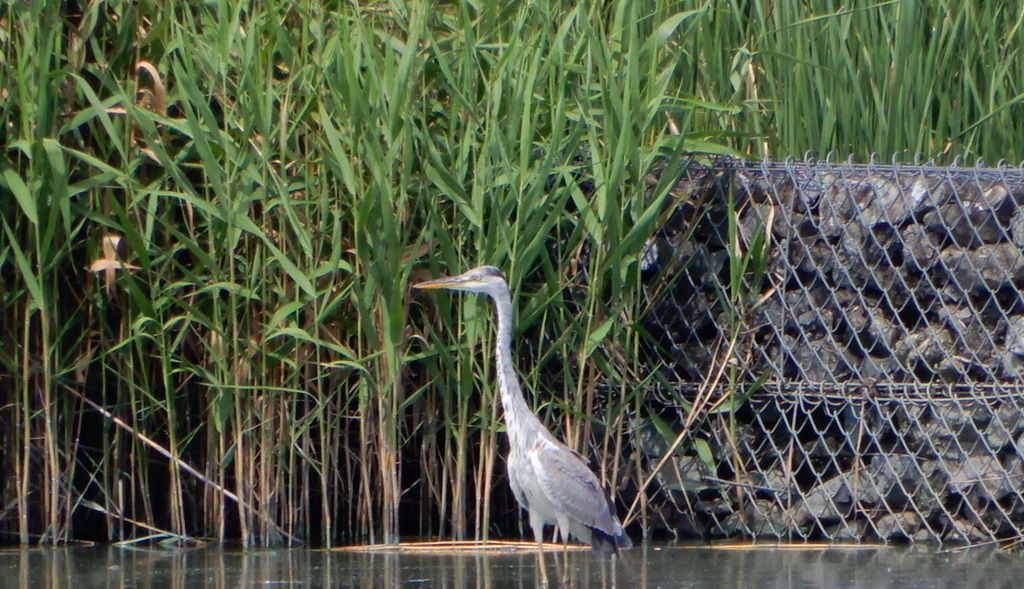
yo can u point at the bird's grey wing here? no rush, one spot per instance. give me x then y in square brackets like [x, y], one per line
[519, 472]
[571, 487]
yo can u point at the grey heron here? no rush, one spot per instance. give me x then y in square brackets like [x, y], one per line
[550, 480]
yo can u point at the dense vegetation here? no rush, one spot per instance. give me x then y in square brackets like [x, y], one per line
[212, 211]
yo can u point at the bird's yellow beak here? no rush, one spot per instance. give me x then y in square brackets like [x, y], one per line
[444, 282]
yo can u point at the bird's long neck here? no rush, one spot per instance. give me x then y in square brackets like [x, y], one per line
[519, 418]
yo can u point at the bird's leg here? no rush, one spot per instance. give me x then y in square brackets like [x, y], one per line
[540, 562]
[538, 534]
[562, 529]
[565, 560]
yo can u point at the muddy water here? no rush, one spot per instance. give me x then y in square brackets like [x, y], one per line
[761, 567]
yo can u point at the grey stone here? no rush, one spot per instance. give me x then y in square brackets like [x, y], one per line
[763, 517]
[975, 217]
[976, 336]
[955, 428]
[815, 361]
[919, 249]
[928, 345]
[1007, 422]
[1017, 227]
[854, 529]
[900, 481]
[1012, 357]
[989, 267]
[985, 477]
[893, 526]
[965, 531]
[825, 502]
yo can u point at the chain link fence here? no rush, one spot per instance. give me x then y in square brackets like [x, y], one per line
[890, 325]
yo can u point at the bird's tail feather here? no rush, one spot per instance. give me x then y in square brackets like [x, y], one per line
[604, 543]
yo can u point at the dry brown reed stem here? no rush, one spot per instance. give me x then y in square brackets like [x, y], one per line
[702, 405]
[468, 546]
[118, 516]
[181, 464]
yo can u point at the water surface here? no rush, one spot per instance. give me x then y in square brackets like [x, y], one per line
[762, 567]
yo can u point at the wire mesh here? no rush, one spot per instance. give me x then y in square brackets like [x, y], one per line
[890, 324]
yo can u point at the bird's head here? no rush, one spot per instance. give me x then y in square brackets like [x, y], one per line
[482, 279]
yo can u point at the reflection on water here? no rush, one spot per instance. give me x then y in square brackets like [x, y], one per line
[645, 566]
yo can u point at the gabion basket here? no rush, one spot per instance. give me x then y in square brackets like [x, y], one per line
[890, 328]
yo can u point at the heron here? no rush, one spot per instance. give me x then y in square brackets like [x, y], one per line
[550, 481]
